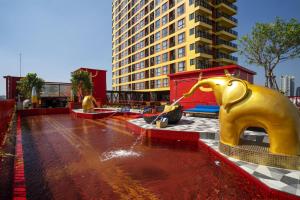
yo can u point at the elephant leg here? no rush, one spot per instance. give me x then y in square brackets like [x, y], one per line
[230, 133]
[284, 141]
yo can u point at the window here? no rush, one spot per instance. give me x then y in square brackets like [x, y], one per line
[157, 36]
[180, 24]
[181, 52]
[157, 2]
[164, 20]
[157, 12]
[192, 46]
[157, 24]
[192, 16]
[165, 32]
[191, 2]
[181, 66]
[181, 38]
[157, 72]
[157, 48]
[165, 82]
[192, 62]
[180, 10]
[165, 44]
[164, 7]
[192, 31]
[165, 69]
[165, 57]
[157, 59]
[157, 84]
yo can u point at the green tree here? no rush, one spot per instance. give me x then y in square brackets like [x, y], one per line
[270, 44]
[26, 84]
[81, 79]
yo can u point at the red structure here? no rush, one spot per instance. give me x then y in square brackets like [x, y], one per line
[180, 83]
[11, 86]
[99, 83]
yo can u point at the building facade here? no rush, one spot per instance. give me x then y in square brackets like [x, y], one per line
[154, 38]
[287, 85]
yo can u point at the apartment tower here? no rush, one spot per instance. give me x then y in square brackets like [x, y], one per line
[154, 38]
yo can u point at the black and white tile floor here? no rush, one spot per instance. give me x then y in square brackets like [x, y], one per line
[277, 178]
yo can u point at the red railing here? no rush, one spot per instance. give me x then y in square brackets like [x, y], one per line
[6, 112]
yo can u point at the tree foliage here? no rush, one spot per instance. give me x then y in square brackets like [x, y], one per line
[270, 44]
[83, 78]
[26, 84]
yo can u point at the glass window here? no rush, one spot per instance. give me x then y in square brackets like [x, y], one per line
[157, 72]
[192, 46]
[165, 32]
[180, 10]
[157, 36]
[165, 82]
[192, 61]
[164, 7]
[165, 57]
[157, 2]
[157, 59]
[181, 52]
[157, 84]
[157, 24]
[165, 69]
[180, 24]
[157, 12]
[181, 66]
[165, 44]
[181, 38]
[164, 20]
[157, 48]
[192, 31]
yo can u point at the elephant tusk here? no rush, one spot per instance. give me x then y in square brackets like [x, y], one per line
[203, 89]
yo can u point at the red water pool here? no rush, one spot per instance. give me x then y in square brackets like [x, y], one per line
[63, 154]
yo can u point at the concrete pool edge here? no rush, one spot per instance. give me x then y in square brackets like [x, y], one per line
[195, 136]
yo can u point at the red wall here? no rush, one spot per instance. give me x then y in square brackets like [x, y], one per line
[99, 82]
[6, 112]
[11, 86]
[181, 83]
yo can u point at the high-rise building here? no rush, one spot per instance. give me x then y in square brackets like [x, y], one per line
[154, 38]
[298, 92]
[288, 85]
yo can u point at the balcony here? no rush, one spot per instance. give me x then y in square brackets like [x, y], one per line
[204, 7]
[226, 45]
[203, 21]
[204, 51]
[204, 36]
[223, 58]
[226, 20]
[226, 33]
[226, 6]
[203, 64]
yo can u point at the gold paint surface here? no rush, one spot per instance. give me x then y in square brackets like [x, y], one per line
[88, 103]
[244, 105]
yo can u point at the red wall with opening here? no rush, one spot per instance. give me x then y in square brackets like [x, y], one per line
[182, 82]
[99, 82]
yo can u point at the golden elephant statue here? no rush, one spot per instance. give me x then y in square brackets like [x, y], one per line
[244, 105]
[88, 104]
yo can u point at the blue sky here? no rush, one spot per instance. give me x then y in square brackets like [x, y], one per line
[56, 37]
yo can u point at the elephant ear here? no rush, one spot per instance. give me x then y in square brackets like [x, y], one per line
[234, 92]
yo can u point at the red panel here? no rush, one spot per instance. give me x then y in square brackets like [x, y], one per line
[99, 82]
[6, 113]
[181, 83]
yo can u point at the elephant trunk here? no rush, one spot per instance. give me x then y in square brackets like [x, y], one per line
[199, 84]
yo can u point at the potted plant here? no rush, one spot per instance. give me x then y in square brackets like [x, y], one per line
[29, 84]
